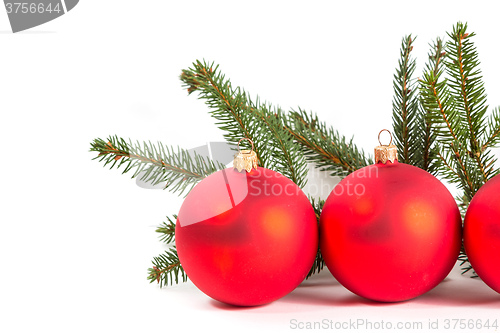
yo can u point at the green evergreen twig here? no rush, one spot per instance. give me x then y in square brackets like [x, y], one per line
[319, 263]
[155, 163]
[167, 269]
[456, 108]
[436, 99]
[240, 117]
[493, 132]
[324, 146]
[167, 230]
[467, 87]
[405, 106]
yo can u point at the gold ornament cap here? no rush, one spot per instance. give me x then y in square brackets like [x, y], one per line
[384, 153]
[245, 159]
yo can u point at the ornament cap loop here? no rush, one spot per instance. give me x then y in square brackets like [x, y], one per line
[245, 159]
[384, 153]
[390, 142]
[251, 142]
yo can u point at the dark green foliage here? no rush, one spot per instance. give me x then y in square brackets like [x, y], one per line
[324, 146]
[412, 130]
[453, 95]
[167, 230]
[281, 140]
[155, 163]
[319, 263]
[230, 107]
[405, 107]
[167, 269]
[240, 117]
[492, 137]
[464, 263]
[466, 86]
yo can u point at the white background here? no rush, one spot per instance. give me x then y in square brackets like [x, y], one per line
[76, 239]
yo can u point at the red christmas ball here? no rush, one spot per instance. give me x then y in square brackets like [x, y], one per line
[482, 233]
[390, 232]
[246, 238]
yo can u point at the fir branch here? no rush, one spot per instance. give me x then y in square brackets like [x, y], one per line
[449, 169]
[462, 203]
[436, 98]
[472, 85]
[319, 263]
[324, 146]
[167, 269]
[440, 112]
[286, 154]
[167, 230]
[458, 168]
[466, 82]
[456, 108]
[155, 163]
[493, 133]
[240, 117]
[406, 118]
[467, 175]
[428, 155]
[230, 107]
[468, 89]
[465, 264]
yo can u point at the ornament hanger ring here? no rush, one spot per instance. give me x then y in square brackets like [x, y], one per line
[381, 133]
[239, 150]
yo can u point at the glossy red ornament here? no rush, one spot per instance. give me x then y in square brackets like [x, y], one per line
[246, 238]
[390, 232]
[482, 233]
